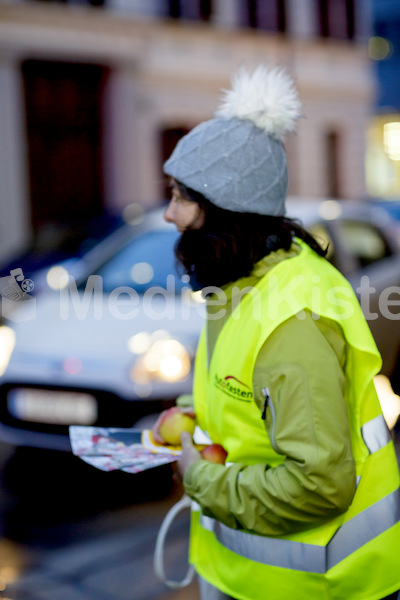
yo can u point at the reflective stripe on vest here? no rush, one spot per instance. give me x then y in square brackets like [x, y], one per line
[375, 434]
[311, 558]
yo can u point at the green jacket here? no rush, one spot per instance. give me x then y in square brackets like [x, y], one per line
[303, 363]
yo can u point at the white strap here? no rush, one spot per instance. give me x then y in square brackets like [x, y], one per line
[184, 502]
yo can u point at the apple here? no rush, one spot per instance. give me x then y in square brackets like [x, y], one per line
[173, 423]
[214, 453]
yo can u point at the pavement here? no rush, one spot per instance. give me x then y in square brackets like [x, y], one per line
[116, 565]
[114, 568]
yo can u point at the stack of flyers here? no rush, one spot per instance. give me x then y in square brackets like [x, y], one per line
[129, 450]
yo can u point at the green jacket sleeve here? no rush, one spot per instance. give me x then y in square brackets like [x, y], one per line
[306, 421]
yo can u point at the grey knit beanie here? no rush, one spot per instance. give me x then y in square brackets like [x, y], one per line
[237, 159]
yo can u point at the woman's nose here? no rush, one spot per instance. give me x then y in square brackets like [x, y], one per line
[168, 214]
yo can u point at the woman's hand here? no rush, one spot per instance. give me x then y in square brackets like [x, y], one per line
[189, 455]
[187, 410]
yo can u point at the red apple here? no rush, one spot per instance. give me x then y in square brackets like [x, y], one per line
[215, 453]
[173, 423]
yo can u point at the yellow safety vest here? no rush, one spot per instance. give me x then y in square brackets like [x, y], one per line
[355, 556]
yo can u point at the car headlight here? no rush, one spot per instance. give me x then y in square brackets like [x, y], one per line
[165, 360]
[7, 343]
[57, 277]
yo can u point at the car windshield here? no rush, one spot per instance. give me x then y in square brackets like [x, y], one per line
[146, 261]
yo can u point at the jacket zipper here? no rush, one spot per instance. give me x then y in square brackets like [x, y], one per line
[265, 393]
[268, 402]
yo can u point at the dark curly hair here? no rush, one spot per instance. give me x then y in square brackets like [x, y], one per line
[229, 243]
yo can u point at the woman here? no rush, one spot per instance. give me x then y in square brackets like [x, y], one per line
[308, 505]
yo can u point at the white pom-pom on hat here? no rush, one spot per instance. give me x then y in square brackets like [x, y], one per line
[266, 97]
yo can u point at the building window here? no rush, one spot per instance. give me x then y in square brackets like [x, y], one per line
[194, 9]
[382, 166]
[89, 2]
[332, 165]
[64, 116]
[267, 15]
[169, 138]
[336, 18]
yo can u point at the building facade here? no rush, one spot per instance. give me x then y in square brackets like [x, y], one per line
[94, 95]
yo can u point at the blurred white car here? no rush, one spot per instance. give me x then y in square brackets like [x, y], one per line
[115, 340]
[114, 345]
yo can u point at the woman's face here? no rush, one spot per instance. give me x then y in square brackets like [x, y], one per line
[185, 214]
